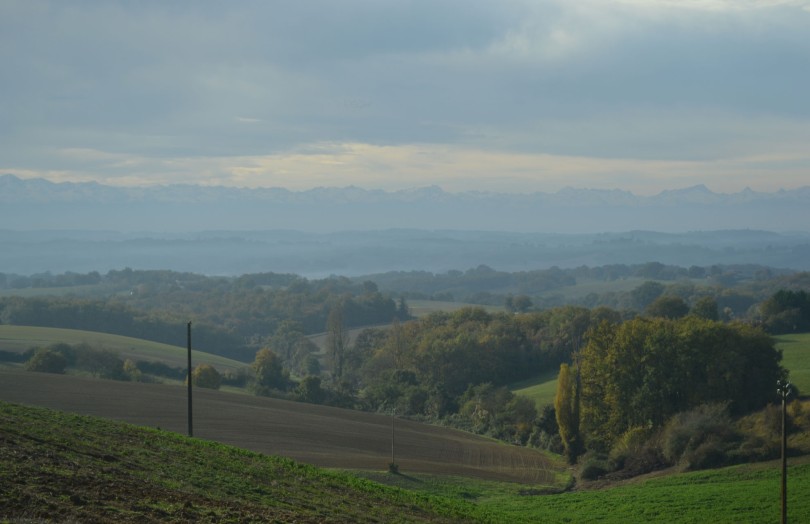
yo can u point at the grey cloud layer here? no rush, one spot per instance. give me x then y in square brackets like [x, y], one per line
[585, 78]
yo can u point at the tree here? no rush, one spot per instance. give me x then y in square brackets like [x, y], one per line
[310, 390]
[269, 373]
[337, 341]
[640, 373]
[131, 370]
[206, 376]
[645, 294]
[787, 312]
[522, 303]
[566, 407]
[667, 307]
[47, 361]
[706, 308]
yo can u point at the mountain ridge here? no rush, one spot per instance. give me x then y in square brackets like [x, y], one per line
[37, 203]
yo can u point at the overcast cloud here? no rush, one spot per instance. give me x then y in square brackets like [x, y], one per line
[505, 96]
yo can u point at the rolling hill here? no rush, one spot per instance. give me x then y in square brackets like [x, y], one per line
[65, 468]
[18, 339]
[318, 435]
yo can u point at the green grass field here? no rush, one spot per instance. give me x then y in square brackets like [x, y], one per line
[21, 338]
[423, 308]
[796, 358]
[542, 389]
[748, 493]
[61, 467]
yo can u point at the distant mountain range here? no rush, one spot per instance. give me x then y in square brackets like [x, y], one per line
[30, 204]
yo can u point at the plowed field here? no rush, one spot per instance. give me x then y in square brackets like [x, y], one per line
[318, 435]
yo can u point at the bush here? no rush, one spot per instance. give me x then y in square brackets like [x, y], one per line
[711, 453]
[161, 370]
[631, 444]
[238, 378]
[100, 363]
[131, 370]
[47, 361]
[205, 376]
[699, 438]
[594, 468]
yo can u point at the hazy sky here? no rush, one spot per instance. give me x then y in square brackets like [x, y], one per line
[506, 95]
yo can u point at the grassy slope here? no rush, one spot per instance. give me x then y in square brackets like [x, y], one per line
[74, 468]
[796, 358]
[748, 493]
[21, 338]
[542, 389]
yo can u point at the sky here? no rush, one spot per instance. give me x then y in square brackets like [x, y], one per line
[505, 96]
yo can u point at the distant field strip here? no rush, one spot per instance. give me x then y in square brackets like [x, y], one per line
[21, 338]
[796, 358]
[319, 435]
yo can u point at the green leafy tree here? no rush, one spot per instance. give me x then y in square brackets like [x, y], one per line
[640, 373]
[706, 308]
[787, 312]
[269, 374]
[337, 341]
[645, 294]
[667, 307]
[310, 390]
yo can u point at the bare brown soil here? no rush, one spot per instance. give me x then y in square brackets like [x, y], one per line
[318, 435]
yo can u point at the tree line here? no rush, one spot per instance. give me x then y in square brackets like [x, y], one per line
[232, 317]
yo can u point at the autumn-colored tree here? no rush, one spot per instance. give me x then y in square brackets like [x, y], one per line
[206, 376]
[566, 406]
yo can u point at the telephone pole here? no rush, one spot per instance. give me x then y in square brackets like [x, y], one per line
[190, 425]
[783, 390]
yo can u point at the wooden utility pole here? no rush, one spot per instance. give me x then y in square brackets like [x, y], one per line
[783, 390]
[190, 425]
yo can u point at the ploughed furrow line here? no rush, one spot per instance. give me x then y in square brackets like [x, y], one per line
[318, 435]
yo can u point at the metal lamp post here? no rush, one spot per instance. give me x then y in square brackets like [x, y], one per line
[783, 390]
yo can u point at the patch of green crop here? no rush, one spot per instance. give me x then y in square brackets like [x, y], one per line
[739, 494]
[67, 467]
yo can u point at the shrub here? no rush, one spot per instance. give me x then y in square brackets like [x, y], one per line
[101, 363]
[47, 361]
[131, 370]
[630, 444]
[594, 467]
[205, 376]
[238, 378]
[710, 453]
[700, 437]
